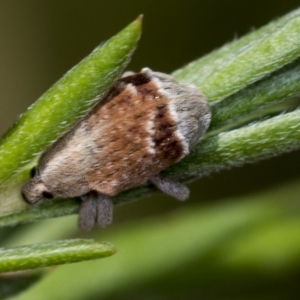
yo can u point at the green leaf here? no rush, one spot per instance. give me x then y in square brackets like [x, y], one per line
[276, 93]
[52, 253]
[66, 101]
[247, 60]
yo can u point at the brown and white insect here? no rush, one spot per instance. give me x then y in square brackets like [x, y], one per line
[146, 123]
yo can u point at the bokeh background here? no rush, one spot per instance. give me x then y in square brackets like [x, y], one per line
[41, 40]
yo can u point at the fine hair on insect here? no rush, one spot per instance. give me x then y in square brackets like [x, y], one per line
[145, 123]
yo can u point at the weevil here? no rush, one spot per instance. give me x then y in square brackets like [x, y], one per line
[145, 123]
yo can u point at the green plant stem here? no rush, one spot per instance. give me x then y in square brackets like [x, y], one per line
[230, 149]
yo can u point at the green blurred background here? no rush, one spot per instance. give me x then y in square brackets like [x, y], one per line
[41, 40]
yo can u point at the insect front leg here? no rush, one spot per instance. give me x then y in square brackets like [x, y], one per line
[105, 206]
[171, 187]
[95, 208]
[87, 212]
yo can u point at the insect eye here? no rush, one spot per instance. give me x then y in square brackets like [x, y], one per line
[33, 172]
[47, 195]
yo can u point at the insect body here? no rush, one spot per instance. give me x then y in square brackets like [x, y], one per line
[145, 123]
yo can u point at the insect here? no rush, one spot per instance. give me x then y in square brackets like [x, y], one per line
[145, 123]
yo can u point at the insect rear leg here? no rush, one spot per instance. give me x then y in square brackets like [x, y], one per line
[171, 187]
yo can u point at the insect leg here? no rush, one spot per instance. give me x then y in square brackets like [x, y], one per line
[104, 205]
[171, 187]
[87, 212]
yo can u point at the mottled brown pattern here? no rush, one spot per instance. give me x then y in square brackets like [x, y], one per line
[126, 143]
[144, 124]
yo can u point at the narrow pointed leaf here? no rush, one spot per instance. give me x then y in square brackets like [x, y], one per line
[66, 101]
[52, 253]
[247, 60]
